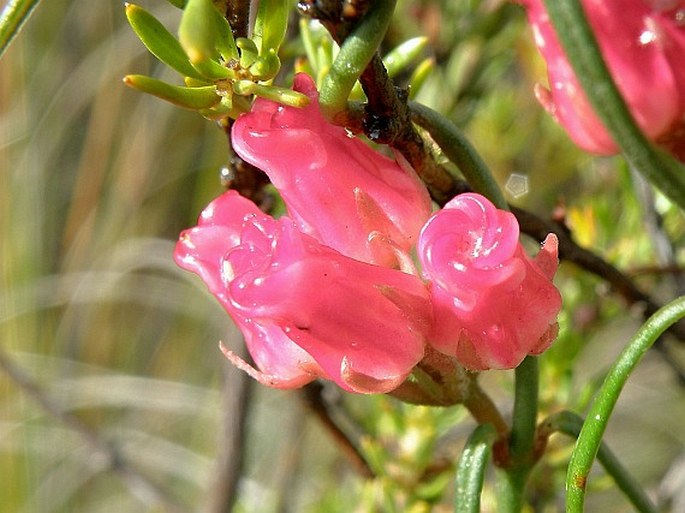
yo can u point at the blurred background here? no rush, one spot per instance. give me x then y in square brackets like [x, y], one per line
[114, 396]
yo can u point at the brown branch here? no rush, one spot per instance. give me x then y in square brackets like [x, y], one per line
[388, 121]
[247, 179]
[657, 270]
[238, 16]
[312, 395]
[236, 391]
[116, 462]
[239, 175]
[386, 117]
[568, 250]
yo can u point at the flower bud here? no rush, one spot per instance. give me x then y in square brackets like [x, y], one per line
[336, 188]
[493, 304]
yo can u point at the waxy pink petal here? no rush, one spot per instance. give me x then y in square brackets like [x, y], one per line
[494, 305]
[643, 45]
[306, 309]
[201, 250]
[335, 187]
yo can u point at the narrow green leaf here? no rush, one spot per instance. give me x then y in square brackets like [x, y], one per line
[277, 94]
[198, 32]
[248, 52]
[355, 54]
[266, 66]
[219, 111]
[212, 70]
[400, 57]
[570, 424]
[459, 150]
[590, 437]
[420, 75]
[307, 37]
[12, 19]
[161, 43]
[471, 469]
[193, 98]
[271, 23]
[178, 3]
[225, 43]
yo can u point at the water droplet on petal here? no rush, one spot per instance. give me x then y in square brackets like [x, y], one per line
[647, 37]
[227, 272]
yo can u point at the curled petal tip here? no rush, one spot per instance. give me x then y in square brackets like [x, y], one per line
[544, 97]
[268, 380]
[547, 258]
[365, 384]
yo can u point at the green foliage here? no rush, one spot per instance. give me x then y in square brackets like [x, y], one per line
[161, 43]
[98, 181]
[271, 23]
[215, 66]
[187, 97]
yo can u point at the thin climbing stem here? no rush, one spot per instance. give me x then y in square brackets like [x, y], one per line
[590, 436]
[459, 150]
[570, 424]
[524, 420]
[512, 478]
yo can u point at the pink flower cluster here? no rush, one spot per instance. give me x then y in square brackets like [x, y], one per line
[331, 290]
[643, 45]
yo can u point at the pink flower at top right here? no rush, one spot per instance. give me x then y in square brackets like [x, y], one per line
[643, 45]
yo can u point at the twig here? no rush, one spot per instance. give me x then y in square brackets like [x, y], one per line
[238, 16]
[239, 175]
[386, 118]
[568, 250]
[237, 392]
[663, 246]
[137, 482]
[313, 399]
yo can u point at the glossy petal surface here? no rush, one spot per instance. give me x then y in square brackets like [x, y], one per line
[337, 189]
[494, 305]
[305, 309]
[643, 45]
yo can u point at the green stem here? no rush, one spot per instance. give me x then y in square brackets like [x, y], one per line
[583, 52]
[593, 428]
[12, 18]
[355, 54]
[471, 468]
[511, 480]
[570, 424]
[522, 440]
[460, 151]
[509, 490]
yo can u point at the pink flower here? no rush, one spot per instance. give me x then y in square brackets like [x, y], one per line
[494, 305]
[339, 190]
[643, 45]
[306, 310]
